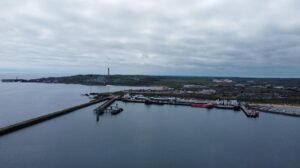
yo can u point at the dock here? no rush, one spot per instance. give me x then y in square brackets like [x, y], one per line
[101, 109]
[227, 107]
[248, 112]
[155, 102]
[30, 122]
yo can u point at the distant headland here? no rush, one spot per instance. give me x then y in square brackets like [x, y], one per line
[261, 90]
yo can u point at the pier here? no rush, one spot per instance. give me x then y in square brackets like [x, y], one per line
[219, 104]
[249, 112]
[101, 109]
[30, 122]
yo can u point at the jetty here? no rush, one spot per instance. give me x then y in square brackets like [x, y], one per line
[101, 109]
[30, 122]
[249, 112]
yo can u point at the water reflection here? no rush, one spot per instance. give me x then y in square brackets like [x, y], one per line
[156, 136]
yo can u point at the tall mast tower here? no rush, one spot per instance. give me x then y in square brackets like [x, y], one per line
[107, 80]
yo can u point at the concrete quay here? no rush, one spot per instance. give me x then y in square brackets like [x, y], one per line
[101, 109]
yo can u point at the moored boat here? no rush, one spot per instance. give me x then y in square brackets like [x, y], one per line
[219, 106]
[200, 105]
[148, 102]
[116, 111]
[236, 108]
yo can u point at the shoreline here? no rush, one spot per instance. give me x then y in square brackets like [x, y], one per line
[281, 109]
[83, 84]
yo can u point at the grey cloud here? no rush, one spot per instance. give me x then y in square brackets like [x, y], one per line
[209, 37]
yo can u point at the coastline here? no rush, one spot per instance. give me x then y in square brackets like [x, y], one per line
[282, 109]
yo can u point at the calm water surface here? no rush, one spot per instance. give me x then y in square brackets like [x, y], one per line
[21, 101]
[156, 136]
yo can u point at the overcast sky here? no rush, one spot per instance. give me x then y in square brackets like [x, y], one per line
[166, 37]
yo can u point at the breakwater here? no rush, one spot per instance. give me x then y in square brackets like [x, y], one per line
[30, 122]
[264, 110]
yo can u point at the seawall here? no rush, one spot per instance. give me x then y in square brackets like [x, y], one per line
[30, 122]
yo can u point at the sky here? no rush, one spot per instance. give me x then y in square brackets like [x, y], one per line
[250, 38]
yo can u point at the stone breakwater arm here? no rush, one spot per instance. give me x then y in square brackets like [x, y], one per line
[30, 122]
